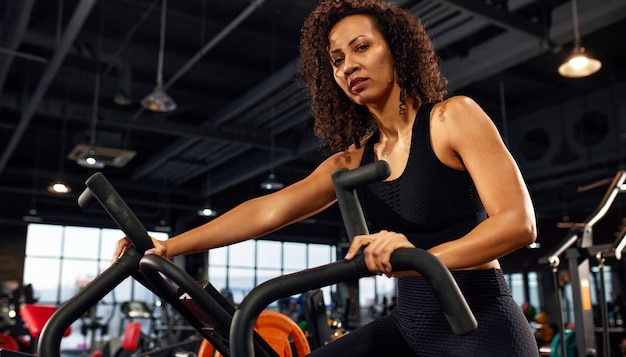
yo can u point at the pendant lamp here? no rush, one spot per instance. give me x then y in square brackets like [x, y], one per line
[271, 183]
[578, 64]
[158, 100]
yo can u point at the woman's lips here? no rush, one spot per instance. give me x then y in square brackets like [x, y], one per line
[357, 84]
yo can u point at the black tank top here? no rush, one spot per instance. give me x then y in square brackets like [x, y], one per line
[430, 202]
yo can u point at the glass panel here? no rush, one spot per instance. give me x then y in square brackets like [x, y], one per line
[533, 289]
[327, 300]
[44, 240]
[294, 256]
[366, 291]
[217, 276]
[241, 281]
[75, 274]
[123, 290]
[141, 293]
[108, 241]
[269, 254]
[517, 288]
[43, 274]
[217, 256]
[263, 275]
[81, 242]
[242, 254]
[386, 287]
[319, 254]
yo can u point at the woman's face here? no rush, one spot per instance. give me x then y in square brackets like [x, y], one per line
[361, 60]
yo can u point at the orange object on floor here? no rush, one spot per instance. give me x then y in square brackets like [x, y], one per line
[277, 330]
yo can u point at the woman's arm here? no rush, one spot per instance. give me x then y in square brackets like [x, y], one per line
[258, 216]
[464, 137]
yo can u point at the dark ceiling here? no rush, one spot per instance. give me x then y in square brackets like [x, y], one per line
[229, 65]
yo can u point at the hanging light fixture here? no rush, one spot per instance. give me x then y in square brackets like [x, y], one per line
[578, 64]
[59, 186]
[90, 160]
[158, 100]
[207, 210]
[271, 183]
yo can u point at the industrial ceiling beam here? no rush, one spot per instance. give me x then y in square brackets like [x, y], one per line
[76, 22]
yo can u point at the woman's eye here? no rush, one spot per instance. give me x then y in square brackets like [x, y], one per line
[336, 61]
[361, 48]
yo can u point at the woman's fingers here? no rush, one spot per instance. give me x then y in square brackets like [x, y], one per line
[377, 250]
[122, 246]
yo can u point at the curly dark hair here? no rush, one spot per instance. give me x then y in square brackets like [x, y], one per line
[339, 122]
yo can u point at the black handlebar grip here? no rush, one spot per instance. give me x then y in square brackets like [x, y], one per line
[345, 182]
[86, 200]
[100, 188]
[364, 175]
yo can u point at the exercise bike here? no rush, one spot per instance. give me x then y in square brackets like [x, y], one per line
[228, 331]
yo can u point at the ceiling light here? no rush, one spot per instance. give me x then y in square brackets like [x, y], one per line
[121, 98]
[91, 160]
[32, 216]
[123, 84]
[271, 183]
[534, 245]
[207, 212]
[578, 64]
[59, 187]
[158, 100]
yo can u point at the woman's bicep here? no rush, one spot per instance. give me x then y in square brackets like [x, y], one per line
[493, 169]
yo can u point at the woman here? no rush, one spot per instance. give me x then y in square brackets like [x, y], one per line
[377, 94]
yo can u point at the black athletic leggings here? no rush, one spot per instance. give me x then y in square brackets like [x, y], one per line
[503, 331]
[378, 338]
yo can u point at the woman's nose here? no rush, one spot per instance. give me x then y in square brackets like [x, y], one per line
[349, 66]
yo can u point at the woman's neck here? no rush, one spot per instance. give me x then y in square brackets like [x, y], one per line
[395, 118]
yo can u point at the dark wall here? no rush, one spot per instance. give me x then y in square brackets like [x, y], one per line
[12, 250]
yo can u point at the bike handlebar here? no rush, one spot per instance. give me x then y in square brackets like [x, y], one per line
[451, 300]
[345, 182]
[99, 189]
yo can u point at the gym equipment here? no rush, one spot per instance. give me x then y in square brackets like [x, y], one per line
[7, 342]
[452, 302]
[581, 234]
[34, 317]
[198, 302]
[205, 308]
[320, 333]
[277, 329]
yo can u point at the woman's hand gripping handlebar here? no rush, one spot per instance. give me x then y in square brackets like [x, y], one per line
[99, 189]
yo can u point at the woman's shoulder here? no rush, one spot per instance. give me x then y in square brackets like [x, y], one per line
[456, 105]
[348, 159]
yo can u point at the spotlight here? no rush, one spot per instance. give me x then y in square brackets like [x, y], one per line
[271, 183]
[59, 188]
